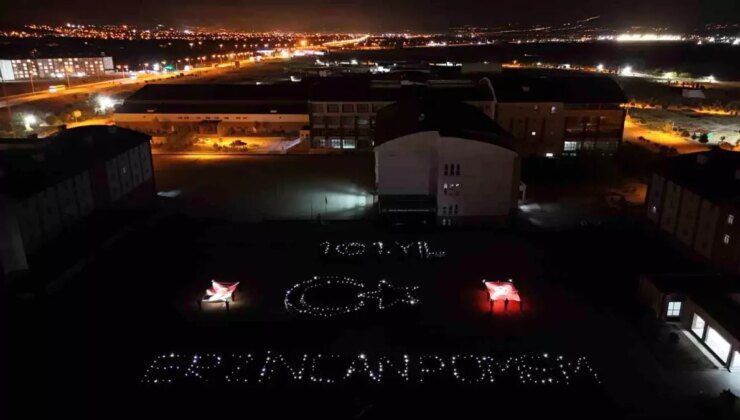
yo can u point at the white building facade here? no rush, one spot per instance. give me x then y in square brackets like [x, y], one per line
[48, 68]
[469, 182]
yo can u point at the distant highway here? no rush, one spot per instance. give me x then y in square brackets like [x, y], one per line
[345, 42]
[88, 88]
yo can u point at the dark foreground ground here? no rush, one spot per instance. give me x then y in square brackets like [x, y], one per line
[88, 346]
[92, 347]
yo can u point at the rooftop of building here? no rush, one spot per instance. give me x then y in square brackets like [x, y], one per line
[390, 89]
[543, 87]
[213, 108]
[225, 93]
[714, 175]
[507, 87]
[26, 168]
[320, 89]
[449, 119]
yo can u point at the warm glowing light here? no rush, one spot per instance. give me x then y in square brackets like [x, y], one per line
[29, 120]
[647, 37]
[220, 291]
[502, 290]
[105, 103]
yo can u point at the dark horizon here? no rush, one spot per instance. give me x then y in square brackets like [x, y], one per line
[362, 15]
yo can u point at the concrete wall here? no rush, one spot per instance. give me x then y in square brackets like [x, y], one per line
[30, 222]
[655, 197]
[710, 230]
[126, 172]
[687, 217]
[487, 174]
[12, 252]
[406, 165]
[485, 187]
[540, 128]
[671, 205]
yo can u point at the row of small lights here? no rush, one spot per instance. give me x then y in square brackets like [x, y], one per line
[296, 297]
[356, 249]
[528, 369]
[383, 287]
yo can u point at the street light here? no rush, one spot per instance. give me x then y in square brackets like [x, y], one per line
[104, 103]
[29, 120]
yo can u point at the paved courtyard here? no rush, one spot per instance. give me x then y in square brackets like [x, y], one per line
[135, 313]
[403, 330]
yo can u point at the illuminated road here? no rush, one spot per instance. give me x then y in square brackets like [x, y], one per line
[346, 42]
[108, 84]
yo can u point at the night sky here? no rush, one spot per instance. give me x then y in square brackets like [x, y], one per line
[372, 15]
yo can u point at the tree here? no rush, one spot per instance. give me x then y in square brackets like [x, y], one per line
[180, 139]
[52, 120]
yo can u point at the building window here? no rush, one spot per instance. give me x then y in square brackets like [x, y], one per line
[697, 326]
[654, 209]
[350, 143]
[674, 309]
[735, 366]
[726, 239]
[553, 109]
[730, 219]
[317, 107]
[446, 169]
[717, 344]
[445, 187]
[457, 169]
[455, 209]
[452, 189]
[570, 146]
[348, 108]
[332, 108]
[534, 133]
[363, 108]
[336, 143]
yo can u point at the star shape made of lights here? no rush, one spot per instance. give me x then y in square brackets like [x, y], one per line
[388, 295]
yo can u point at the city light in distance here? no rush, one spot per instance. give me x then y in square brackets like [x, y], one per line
[648, 37]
